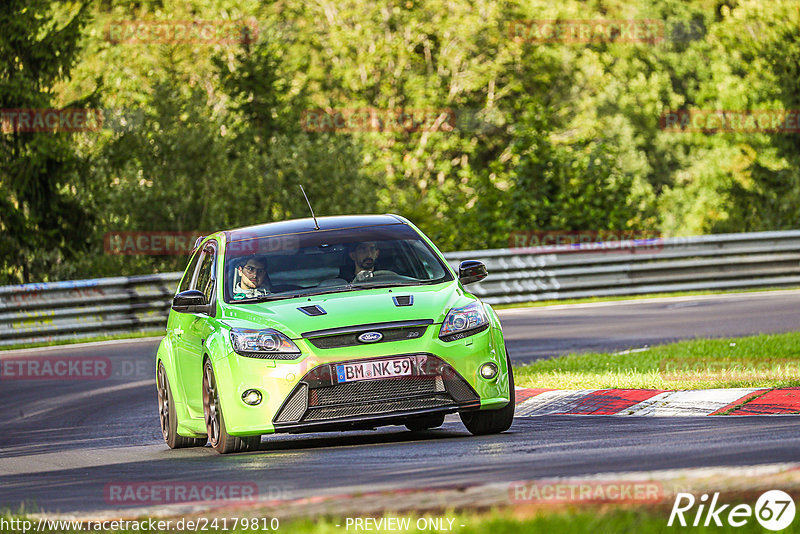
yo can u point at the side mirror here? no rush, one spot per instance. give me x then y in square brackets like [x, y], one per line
[189, 301]
[471, 271]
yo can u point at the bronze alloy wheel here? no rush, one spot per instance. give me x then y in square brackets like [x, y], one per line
[168, 416]
[211, 404]
[215, 422]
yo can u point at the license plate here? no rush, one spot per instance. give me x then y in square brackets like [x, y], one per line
[349, 372]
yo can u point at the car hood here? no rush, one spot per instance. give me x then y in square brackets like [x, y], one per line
[348, 309]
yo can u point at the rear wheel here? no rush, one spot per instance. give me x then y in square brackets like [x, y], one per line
[492, 421]
[218, 435]
[168, 416]
[425, 423]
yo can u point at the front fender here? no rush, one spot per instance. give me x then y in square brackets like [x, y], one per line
[499, 344]
[166, 355]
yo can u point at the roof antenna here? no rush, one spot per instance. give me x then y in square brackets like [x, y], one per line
[316, 224]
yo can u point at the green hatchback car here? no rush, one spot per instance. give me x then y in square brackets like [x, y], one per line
[338, 323]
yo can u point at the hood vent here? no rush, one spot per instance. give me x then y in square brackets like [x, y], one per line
[313, 311]
[405, 300]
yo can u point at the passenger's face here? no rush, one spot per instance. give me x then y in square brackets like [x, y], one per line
[365, 255]
[253, 273]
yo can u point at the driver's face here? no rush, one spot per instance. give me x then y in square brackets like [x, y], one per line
[252, 273]
[365, 255]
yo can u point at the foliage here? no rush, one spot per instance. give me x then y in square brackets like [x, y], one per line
[204, 135]
[42, 222]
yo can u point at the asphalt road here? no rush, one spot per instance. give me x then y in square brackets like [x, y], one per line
[66, 442]
[535, 333]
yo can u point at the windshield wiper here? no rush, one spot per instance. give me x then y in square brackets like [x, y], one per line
[385, 284]
[293, 295]
[332, 289]
[262, 298]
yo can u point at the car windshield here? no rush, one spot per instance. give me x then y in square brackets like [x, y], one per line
[277, 267]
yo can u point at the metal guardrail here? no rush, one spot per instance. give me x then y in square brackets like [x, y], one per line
[34, 313]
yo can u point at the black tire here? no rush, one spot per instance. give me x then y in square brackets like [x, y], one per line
[425, 423]
[168, 416]
[222, 442]
[492, 421]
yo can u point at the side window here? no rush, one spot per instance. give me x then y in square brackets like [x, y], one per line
[205, 276]
[187, 276]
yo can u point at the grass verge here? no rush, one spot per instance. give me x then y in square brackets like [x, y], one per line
[763, 361]
[111, 337]
[616, 520]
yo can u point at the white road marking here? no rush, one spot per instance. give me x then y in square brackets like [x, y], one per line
[670, 403]
[550, 402]
[697, 402]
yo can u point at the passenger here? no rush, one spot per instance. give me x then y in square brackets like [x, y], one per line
[252, 275]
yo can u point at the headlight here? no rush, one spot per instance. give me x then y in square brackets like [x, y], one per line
[464, 322]
[267, 343]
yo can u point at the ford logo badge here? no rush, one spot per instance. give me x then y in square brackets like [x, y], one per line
[370, 337]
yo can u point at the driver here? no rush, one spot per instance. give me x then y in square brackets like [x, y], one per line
[364, 256]
[252, 275]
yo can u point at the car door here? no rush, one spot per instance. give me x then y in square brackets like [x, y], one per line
[195, 330]
[179, 322]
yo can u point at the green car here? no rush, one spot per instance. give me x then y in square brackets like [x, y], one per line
[329, 324]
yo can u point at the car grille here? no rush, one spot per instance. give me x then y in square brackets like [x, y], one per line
[436, 386]
[297, 405]
[336, 412]
[376, 390]
[348, 337]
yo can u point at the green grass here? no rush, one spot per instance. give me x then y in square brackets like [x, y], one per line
[771, 360]
[538, 303]
[565, 521]
[574, 521]
[128, 335]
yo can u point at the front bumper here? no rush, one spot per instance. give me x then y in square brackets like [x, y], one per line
[319, 403]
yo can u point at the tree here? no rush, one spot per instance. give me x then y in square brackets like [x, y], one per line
[42, 220]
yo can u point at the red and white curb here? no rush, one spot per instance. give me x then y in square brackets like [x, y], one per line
[655, 402]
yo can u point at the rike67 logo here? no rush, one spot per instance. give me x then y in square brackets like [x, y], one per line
[774, 510]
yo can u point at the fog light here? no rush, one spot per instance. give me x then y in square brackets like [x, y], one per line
[488, 370]
[251, 397]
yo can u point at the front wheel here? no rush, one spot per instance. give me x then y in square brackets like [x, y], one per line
[168, 416]
[218, 435]
[492, 421]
